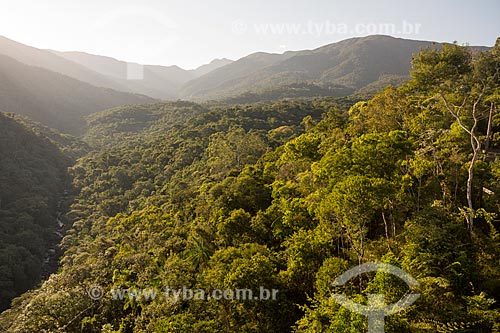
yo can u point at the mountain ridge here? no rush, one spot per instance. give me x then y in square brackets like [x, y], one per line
[162, 82]
[353, 63]
[337, 69]
[39, 58]
[297, 66]
[54, 99]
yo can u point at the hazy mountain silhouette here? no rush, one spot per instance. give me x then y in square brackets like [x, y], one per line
[41, 58]
[54, 99]
[158, 81]
[161, 82]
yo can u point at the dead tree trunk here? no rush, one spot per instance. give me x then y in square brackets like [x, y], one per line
[455, 111]
[489, 132]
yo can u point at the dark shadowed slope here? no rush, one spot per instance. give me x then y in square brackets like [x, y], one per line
[32, 179]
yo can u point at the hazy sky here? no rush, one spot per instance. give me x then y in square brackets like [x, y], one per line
[192, 32]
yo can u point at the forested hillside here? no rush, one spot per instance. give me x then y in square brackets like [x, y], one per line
[33, 177]
[288, 196]
[128, 123]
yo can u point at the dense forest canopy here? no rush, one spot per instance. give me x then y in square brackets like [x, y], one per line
[288, 195]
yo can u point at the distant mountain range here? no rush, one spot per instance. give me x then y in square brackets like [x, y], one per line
[60, 88]
[162, 82]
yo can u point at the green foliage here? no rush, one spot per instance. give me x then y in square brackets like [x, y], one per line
[242, 196]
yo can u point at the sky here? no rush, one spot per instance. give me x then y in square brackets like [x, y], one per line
[190, 33]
